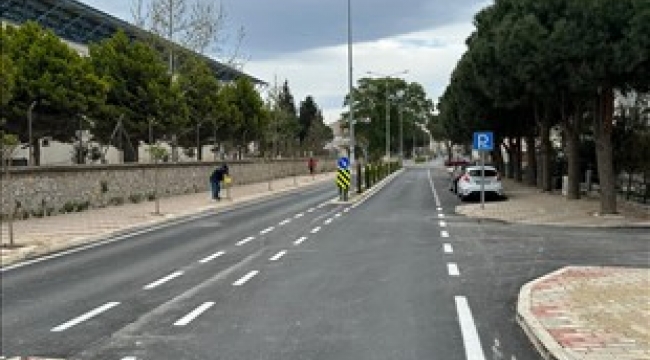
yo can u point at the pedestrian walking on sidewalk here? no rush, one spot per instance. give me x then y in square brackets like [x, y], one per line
[311, 164]
[216, 178]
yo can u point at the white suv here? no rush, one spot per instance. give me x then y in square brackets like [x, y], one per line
[470, 182]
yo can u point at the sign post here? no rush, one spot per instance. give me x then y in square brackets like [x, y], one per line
[483, 142]
[343, 177]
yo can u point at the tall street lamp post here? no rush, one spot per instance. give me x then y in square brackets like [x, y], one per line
[350, 85]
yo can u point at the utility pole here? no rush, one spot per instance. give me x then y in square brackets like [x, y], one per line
[29, 125]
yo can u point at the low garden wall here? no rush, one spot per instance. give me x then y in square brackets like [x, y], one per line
[50, 190]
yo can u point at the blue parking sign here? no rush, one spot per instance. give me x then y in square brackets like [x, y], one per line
[483, 141]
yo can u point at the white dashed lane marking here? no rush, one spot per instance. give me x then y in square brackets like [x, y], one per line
[84, 317]
[338, 215]
[311, 210]
[448, 249]
[299, 241]
[452, 268]
[159, 282]
[212, 257]
[443, 224]
[194, 314]
[277, 256]
[315, 230]
[267, 230]
[346, 210]
[439, 209]
[245, 278]
[285, 222]
[444, 234]
[299, 215]
[441, 216]
[248, 239]
[328, 221]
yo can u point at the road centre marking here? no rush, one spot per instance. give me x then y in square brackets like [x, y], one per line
[267, 230]
[311, 210]
[441, 216]
[439, 209]
[443, 224]
[447, 248]
[315, 230]
[245, 278]
[285, 222]
[452, 268]
[338, 215]
[433, 190]
[277, 256]
[299, 215]
[299, 241]
[85, 317]
[346, 210]
[194, 314]
[328, 221]
[212, 257]
[444, 234]
[248, 239]
[159, 282]
[471, 340]
[129, 358]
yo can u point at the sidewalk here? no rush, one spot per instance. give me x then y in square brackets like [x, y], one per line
[39, 236]
[578, 313]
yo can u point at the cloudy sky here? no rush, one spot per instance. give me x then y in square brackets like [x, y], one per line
[305, 41]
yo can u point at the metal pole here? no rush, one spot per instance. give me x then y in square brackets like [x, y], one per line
[401, 133]
[198, 141]
[482, 179]
[29, 121]
[350, 83]
[150, 139]
[387, 124]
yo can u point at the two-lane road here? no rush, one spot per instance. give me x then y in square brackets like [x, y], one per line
[397, 276]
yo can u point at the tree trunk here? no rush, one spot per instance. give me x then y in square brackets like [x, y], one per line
[508, 166]
[545, 152]
[531, 170]
[517, 159]
[603, 122]
[498, 159]
[37, 152]
[572, 148]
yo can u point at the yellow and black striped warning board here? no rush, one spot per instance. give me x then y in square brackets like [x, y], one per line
[343, 179]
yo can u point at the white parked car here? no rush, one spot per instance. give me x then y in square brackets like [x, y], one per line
[469, 183]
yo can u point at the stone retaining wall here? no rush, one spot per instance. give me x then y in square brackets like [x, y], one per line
[39, 191]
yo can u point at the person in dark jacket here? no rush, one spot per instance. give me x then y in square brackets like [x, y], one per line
[215, 180]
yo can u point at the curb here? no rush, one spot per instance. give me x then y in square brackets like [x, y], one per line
[545, 344]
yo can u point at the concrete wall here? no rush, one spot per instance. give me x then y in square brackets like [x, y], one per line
[57, 189]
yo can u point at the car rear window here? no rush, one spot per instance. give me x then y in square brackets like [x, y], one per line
[488, 172]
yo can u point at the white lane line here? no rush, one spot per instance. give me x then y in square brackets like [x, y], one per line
[441, 216]
[443, 224]
[285, 222]
[328, 221]
[85, 317]
[315, 230]
[338, 215]
[322, 205]
[439, 209]
[311, 210]
[267, 230]
[248, 239]
[448, 249]
[471, 340]
[212, 257]
[245, 278]
[299, 241]
[346, 210]
[452, 268]
[444, 233]
[277, 256]
[433, 190]
[194, 314]
[129, 358]
[299, 215]
[159, 282]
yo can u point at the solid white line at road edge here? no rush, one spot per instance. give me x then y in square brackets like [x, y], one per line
[433, 189]
[85, 317]
[159, 282]
[194, 314]
[246, 277]
[471, 340]
[277, 256]
[212, 257]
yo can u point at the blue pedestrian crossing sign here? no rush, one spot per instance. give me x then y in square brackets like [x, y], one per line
[343, 162]
[483, 141]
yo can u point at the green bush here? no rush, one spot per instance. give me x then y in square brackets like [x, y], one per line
[136, 198]
[118, 200]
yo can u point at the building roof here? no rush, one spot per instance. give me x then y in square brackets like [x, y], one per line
[75, 21]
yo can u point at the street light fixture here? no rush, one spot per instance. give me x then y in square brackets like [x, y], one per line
[386, 78]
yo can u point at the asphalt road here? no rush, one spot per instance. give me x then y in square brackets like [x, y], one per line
[298, 277]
